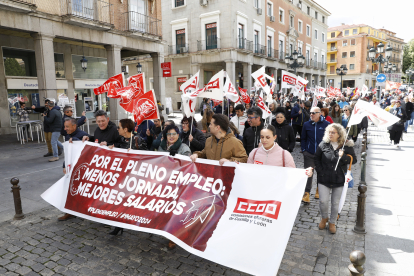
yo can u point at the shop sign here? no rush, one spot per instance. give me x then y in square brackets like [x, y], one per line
[29, 84]
[166, 69]
[88, 84]
[210, 26]
[180, 31]
[184, 79]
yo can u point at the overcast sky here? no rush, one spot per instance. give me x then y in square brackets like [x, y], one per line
[394, 15]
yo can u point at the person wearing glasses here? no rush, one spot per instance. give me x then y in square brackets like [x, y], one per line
[68, 113]
[172, 143]
[192, 136]
[331, 181]
[251, 135]
[312, 134]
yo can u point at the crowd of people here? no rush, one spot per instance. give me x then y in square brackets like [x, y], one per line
[239, 133]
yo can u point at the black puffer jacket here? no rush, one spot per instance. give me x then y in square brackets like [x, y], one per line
[109, 135]
[54, 119]
[285, 136]
[199, 139]
[326, 158]
[251, 137]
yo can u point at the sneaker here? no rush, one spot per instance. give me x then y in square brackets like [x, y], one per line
[53, 159]
[48, 154]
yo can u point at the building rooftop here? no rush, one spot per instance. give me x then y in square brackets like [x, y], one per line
[344, 27]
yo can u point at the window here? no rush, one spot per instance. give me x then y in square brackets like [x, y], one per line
[369, 31]
[300, 4]
[211, 36]
[240, 28]
[315, 57]
[316, 15]
[19, 62]
[59, 66]
[347, 32]
[323, 19]
[269, 9]
[351, 66]
[98, 68]
[256, 41]
[344, 55]
[179, 3]
[300, 26]
[291, 22]
[308, 10]
[269, 45]
[307, 54]
[308, 30]
[281, 16]
[180, 40]
[345, 43]
[256, 3]
[316, 34]
[323, 37]
[332, 70]
[322, 58]
[353, 41]
[354, 31]
[352, 54]
[332, 34]
[281, 48]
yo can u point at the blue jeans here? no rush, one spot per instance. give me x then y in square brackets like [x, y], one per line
[55, 143]
[409, 122]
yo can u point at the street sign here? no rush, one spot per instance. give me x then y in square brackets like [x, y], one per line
[381, 78]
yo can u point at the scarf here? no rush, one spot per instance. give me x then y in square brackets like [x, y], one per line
[173, 149]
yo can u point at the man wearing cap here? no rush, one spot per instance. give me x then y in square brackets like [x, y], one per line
[54, 119]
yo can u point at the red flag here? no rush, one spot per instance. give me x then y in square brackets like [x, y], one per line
[216, 102]
[135, 90]
[117, 80]
[244, 96]
[145, 107]
[138, 82]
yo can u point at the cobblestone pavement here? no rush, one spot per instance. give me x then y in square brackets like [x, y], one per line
[40, 245]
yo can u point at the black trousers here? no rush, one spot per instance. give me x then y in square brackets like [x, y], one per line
[395, 136]
[297, 129]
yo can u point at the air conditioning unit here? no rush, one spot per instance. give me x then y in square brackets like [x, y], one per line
[203, 2]
[272, 19]
[299, 5]
[183, 50]
[259, 11]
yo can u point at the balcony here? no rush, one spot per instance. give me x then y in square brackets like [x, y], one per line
[141, 24]
[332, 49]
[211, 43]
[397, 50]
[178, 49]
[398, 60]
[282, 56]
[94, 14]
[272, 53]
[244, 44]
[308, 63]
[259, 49]
[332, 61]
[24, 6]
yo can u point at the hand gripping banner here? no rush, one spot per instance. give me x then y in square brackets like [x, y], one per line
[209, 210]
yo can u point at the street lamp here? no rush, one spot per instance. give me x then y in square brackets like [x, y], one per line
[341, 71]
[139, 68]
[390, 68]
[410, 73]
[295, 61]
[380, 59]
[84, 61]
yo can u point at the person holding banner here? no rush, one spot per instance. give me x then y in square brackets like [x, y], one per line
[106, 133]
[125, 129]
[396, 130]
[172, 143]
[191, 135]
[222, 145]
[353, 129]
[331, 181]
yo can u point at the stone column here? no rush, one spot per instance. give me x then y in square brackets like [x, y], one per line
[45, 65]
[247, 78]
[159, 81]
[231, 70]
[113, 53]
[4, 103]
[67, 60]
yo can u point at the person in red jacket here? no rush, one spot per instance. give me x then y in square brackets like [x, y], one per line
[325, 113]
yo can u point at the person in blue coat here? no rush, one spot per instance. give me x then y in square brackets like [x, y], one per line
[312, 134]
[298, 117]
[141, 129]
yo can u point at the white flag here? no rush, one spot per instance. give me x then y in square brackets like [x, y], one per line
[263, 107]
[230, 91]
[192, 84]
[315, 101]
[364, 90]
[260, 77]
[376, 114]
[288, 79]
[301, 81]
[214, 88]
[189, 102]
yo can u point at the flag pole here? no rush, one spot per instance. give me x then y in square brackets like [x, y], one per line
[342, 148]
[130, 142]
[191, 131]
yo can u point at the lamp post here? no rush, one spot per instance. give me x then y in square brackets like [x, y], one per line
[139, 68]
[410, 73]
[341, 71]
[390, 68]
[84, 61]
[295, 61]
[380, 59]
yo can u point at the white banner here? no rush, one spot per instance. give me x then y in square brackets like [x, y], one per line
[230, 91]
[288, 79]
[214, 88]
[260, 78]
[377, 115]
[249, 225]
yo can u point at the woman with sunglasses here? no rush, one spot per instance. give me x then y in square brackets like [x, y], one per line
[331, 181]
[353, 130]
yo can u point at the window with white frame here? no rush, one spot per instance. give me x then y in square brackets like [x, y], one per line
[344, 54]
[300, 26]
[308, 30]
[323, 37]
[291, 22]
[269, 8]
[281, 16]
[323, 19]
[179, 3]
[315, 57]
[351, 66]
[355, 31]
[352, 54]
[308, 10]
[316, 34]
[346, 32]
[256, 3]
[316, 15]
[345, 43]
[322, 58]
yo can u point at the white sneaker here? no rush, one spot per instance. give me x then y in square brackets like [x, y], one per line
[397, 146]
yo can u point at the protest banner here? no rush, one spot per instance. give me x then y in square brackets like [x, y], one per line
[117, 81]
[230, 91]
[244, 96]
[288, 79]
[260, 77]
[209, 210]
[214, 88]
[145, 108]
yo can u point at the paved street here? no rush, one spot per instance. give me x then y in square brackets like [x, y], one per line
[40, 244]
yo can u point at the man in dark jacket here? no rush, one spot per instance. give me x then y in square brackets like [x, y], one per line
[298, 117]
[251, 135]
[54, 120]
[409, 109]
[141, 129]
[106, 133]
[312, 134]
[46, 128]
[68, 113]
